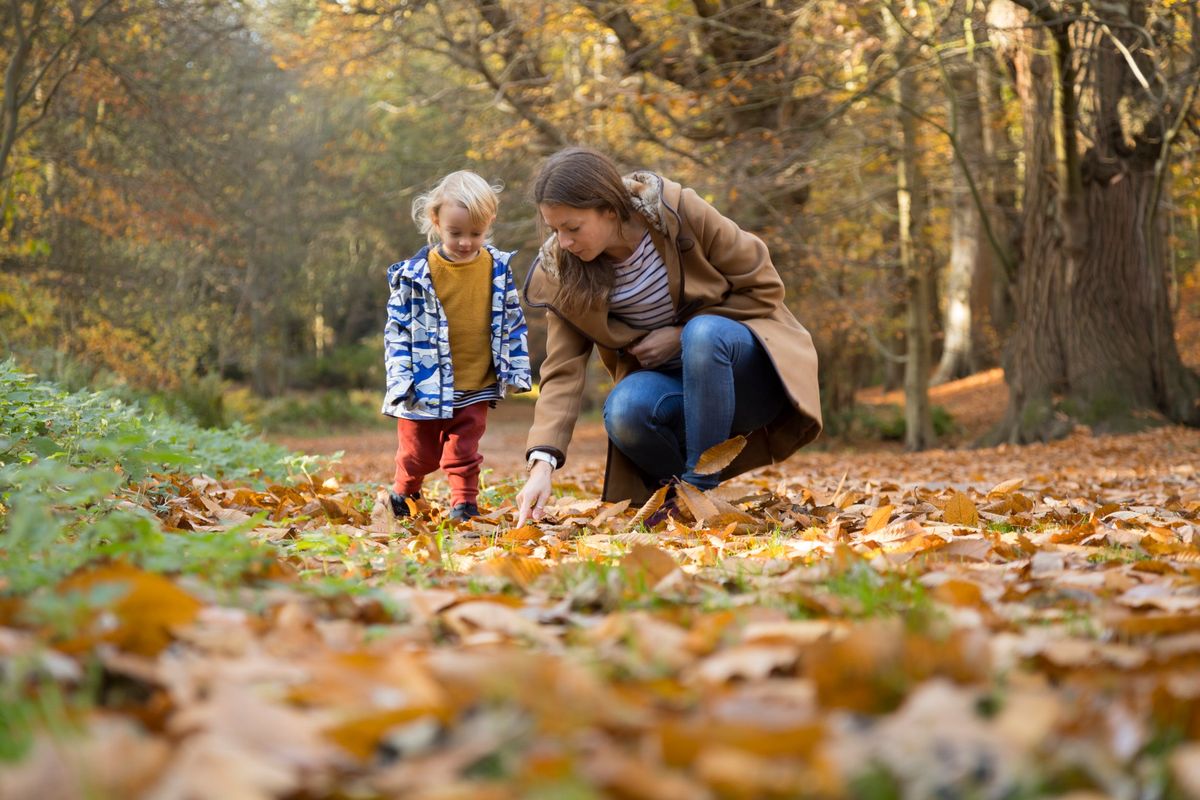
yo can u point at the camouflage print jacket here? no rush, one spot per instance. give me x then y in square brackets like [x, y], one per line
[416, 340]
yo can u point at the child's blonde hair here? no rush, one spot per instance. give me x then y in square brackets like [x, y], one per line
[463, 188]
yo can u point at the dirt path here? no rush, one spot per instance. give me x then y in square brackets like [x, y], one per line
[975, 402]
[368, 453]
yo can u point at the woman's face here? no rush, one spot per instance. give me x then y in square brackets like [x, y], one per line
[586, 232]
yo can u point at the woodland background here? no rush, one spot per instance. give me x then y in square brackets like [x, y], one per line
[200, 198]
[198, 201]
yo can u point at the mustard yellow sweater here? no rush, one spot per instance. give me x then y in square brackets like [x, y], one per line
[465, 291]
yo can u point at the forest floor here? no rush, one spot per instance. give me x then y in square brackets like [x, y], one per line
[1011, 622]
[975, 404]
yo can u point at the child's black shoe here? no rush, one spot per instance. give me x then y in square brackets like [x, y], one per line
[463, 512]
[399, 505]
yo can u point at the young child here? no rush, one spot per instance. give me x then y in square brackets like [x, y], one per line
[455, 341]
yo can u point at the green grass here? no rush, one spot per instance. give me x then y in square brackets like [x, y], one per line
[864, 593]
[71, 471]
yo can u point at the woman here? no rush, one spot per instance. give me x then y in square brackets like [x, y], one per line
[687, 311]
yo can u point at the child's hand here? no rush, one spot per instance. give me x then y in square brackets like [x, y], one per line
[531, 500]
[657, 347]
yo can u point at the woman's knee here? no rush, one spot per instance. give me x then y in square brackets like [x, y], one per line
[706, 336]
[627, 413]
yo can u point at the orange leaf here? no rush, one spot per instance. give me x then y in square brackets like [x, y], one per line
[653, 504]
[525, 533]
[719, 456]
[961, 511]
[650, 561]
[520, 570]
[879, 519]
[147, 610]
[958, 592]
[361, 735]
[1007, 487]
[426, 542]
[608, 513]
[697, 502]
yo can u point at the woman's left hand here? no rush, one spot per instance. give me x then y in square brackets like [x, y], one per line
[657, 347]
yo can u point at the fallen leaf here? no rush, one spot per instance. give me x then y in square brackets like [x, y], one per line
[961, 511]
[653, 504]
[879, 519]
[697, 503]
[719, 456]
[1006, 487]
[649, 563]
[146, 608]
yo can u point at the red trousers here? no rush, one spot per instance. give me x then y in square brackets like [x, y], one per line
[452, 444]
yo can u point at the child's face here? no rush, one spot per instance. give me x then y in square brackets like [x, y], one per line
[461, 238]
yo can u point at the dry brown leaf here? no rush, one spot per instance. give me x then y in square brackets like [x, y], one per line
[682, 741]
[109, 757]
[485, 615]
[522, 571]
[1162, 596]
[696, 501]
[645, 561]
[719, 456]
[238, 743]
[960, 510]
[1006, 487]
[526, 533]
[735, 772]
[427, 543]
[361, 735]
[959, 593]
[634, 779]
[147, 608]
[610, 511]
[653, 504]
[747, 662]
[879, 519]
[1185, 768]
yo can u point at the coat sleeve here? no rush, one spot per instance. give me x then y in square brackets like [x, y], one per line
[563, 375]
[756, 290]
[397, 347]
[517, 370]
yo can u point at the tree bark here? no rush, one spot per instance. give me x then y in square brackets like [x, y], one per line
[1094, 337]
[918, 418]
[968, 250]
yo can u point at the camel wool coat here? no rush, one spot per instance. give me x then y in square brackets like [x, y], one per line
[714, 267]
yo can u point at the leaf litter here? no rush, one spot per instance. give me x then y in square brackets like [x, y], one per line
[1021, 619]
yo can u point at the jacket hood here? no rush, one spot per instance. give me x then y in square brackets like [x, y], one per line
[417, 266]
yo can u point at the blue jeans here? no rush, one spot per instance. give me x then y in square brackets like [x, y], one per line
[662, 420]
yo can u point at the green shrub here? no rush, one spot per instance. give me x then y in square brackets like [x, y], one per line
[97, 429]
[306, 412]
[68, 465]
[352, 366]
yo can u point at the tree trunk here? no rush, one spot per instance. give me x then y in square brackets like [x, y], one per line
[918, 419]
[1094, 337]
[968, 250]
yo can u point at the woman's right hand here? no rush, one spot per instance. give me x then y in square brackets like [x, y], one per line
[531, 500]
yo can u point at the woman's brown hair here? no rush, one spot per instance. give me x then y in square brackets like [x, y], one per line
[579, 177]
